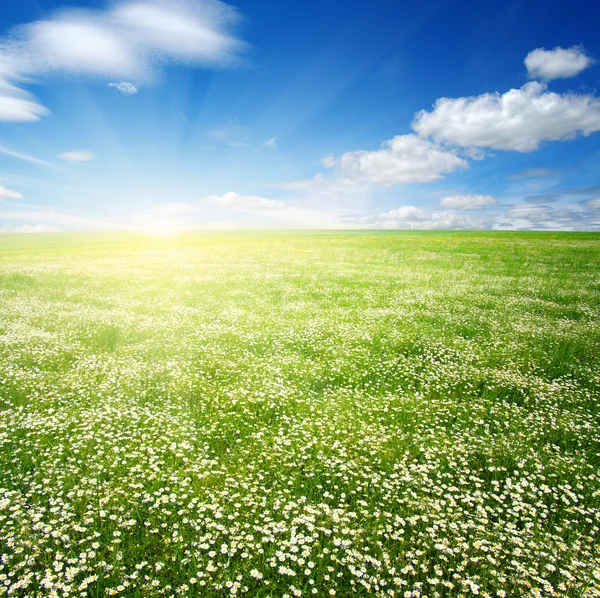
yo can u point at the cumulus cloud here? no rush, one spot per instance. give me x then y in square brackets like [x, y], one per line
[560, 63]
[417, 218]
[125, 87]
[355, 175]
[6, 193]
[467, 202]
[127, 40]
[403, 159]
[520, 119]
[457, 129]
[246, 203]
[78, 156]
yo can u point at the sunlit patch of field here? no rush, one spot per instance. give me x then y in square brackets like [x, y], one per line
[289, 414]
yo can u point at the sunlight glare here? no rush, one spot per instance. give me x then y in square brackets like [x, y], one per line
[161, 227]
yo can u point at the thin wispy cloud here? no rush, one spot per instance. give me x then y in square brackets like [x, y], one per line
[26, 158]
[544, 198]
[468, 202]
[574, 217]
[127, 40]
[532, 173]
[125, 87]
[55, 217]
[276, 213]
[17, 105]
[581, 194]
[6, 193]
[250, 203]
[173, 208]
[29, 228]
[78, 156]
[560, 63]
[417, 218]
[232, 134]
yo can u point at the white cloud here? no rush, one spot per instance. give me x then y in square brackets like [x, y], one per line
[403, 159]
[78, 156]
[467, 202]
[594, 204]
[86, 43]
[194, 32]
[519, 119]
[458, 129]
[125, 87]
[246, 203]
[17, 105]
[128, 40]
[560, 63]
[6, 193]
[416, 218]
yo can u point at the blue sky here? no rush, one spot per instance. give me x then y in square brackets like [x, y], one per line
[163, 115]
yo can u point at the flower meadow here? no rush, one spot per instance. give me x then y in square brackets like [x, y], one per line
[300, 414]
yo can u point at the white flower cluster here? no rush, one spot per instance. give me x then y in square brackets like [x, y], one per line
[372, 415]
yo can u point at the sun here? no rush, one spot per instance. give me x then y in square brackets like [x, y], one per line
[162, 227]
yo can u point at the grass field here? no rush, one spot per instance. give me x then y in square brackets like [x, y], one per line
[297, 414]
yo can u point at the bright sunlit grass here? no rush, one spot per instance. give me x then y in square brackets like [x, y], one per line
[298, 414]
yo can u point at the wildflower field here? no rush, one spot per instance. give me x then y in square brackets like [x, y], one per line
[297, 414]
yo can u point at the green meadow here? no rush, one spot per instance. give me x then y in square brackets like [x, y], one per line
[283, 414]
